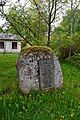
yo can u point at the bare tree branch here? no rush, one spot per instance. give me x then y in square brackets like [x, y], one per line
[14, 27]
[55, 10]
[37, 8]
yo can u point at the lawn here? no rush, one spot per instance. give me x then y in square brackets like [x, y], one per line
[61, 104]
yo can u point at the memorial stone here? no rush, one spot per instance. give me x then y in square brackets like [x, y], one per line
[38, 68]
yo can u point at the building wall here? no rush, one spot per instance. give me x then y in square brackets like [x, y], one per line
[8, 46]
[18, 47]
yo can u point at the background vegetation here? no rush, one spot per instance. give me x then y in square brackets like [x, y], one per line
[39, 27]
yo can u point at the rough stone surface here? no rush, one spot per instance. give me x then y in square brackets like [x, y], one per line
[28, 70]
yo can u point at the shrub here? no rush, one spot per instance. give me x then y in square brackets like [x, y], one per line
[75, 59]
[65, 46]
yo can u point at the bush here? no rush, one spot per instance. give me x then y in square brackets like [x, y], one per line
[75, 59]
[65, 46]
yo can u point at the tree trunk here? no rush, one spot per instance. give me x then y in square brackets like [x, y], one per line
[49, 36]
[71, 17]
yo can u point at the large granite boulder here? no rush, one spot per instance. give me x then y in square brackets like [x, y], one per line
[38, 68]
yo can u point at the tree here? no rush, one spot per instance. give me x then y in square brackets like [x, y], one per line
[26, 24]
[72, 6]
[65, 42]
[36, 24]
[47, 9]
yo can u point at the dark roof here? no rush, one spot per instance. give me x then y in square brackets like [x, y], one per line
[8, 36]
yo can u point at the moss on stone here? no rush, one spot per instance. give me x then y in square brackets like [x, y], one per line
[43, 49]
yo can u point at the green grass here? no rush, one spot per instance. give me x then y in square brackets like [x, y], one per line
[61, 104]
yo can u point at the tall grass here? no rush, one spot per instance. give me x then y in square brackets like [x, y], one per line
[60, 104]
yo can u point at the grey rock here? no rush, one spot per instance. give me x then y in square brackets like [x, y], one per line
[28, 71]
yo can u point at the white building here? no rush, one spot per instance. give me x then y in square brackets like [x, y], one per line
[9, 43]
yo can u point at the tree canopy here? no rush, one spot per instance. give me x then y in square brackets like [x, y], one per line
[35, 23]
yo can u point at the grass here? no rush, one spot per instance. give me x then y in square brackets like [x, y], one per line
[61, 104]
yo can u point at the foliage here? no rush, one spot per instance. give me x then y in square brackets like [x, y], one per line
[66, 23]
[65, 46]
[59, 104]
[26, 23]
[63, 42]
[48, 10]
[75, 59]
[1, 30]
[33, 23]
